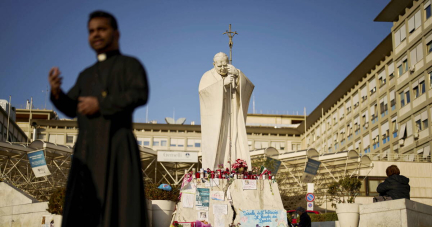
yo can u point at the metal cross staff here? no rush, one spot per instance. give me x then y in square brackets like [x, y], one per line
[230, 35]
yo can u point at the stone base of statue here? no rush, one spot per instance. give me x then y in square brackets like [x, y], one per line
[222, 202]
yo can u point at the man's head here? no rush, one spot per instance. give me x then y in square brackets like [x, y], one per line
[103, 32]
[220, 63]
[392, 170]
[300, 210]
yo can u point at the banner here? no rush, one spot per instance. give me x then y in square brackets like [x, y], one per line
[272, 218]
[272, 165]
[310, 170]
[38, 163]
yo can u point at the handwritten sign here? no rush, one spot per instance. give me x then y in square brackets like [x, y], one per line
[202, 200]
[220, 209]
[188, 200]
[217, 195]
[249, 184]
[272, 218]
[219, 220]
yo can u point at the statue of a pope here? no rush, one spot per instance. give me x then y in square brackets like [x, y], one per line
[224, 99]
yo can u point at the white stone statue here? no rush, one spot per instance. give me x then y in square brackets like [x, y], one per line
[224, 100]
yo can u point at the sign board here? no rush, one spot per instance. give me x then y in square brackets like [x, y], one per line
[310, 206]
[310, 197]
[310, 187]
[272, 218]
[310, 170]
[177, 156]
[38, 163]
[272, 165]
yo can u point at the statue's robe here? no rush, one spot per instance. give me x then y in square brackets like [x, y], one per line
[215, 120]
[105, 185]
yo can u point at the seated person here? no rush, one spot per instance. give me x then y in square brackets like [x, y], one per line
[396, 186]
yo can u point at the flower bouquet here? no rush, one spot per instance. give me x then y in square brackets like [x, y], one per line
[240, 165]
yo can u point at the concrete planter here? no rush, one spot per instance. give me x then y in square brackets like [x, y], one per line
[149, 212]
[162, 211]
[348, 214]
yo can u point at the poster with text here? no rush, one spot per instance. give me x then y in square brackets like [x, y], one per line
[249, 184]
[272, 218]
[38, 163]
[202, 199]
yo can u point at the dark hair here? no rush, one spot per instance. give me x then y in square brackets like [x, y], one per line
[392, 170]
[104, 14]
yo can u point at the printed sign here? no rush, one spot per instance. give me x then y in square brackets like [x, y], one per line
[217, 195]
[220, 209]
[272, 218]
[272, 165]
[202, 199]
[310, 205]
[202, 215]
[38, 163]
[177, 156]
[249, 184]
[310, 197]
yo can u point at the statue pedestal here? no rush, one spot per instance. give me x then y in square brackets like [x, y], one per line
[252, 201]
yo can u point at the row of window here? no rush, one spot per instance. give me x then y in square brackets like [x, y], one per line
[163, 142]
[413, 24]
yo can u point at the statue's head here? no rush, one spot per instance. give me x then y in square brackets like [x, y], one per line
[220, 63]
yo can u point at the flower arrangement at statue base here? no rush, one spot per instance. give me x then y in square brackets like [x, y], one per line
[240, 166]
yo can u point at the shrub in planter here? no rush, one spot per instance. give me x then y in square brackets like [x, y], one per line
[152, 192]
[56, 201]
[344, 191]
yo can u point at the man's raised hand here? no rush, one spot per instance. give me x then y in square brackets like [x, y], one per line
[55, 81]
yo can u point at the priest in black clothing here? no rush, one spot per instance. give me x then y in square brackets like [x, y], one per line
[105, 185]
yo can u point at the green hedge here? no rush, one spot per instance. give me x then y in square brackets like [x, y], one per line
[323, 217]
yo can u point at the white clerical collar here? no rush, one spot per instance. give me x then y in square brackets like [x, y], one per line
[102, 57]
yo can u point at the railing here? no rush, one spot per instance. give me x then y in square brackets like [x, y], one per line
[400, 157]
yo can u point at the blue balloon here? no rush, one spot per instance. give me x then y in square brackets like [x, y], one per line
[165, 187]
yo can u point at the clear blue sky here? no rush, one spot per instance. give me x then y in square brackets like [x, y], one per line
[295, 52]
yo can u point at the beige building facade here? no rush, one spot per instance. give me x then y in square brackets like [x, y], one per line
[383, 109]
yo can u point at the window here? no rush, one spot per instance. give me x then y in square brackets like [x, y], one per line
[400, 35]
[404, 97]
[414, 22]
[69, 139]
[140, 143]
[163, 143]
[419, 125]
[403, 66]
[372, 86]
[407, 96]
[430, 79]
[373, 184]
[427, 10]
[382, 77]
[394, 127]
[146, 143]
[416, 54]
[155, 143]
[429, 47]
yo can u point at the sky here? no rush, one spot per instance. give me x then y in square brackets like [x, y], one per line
[295, 52]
